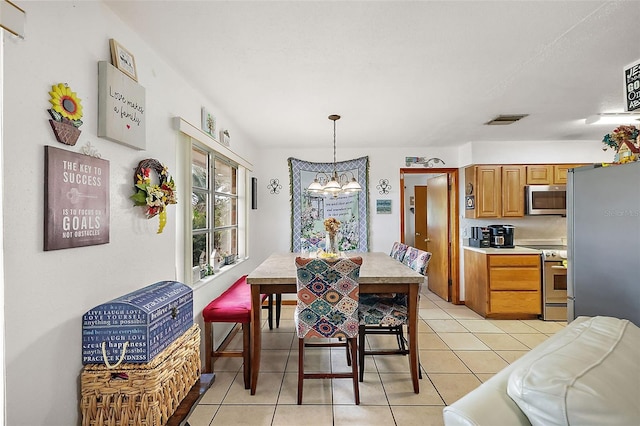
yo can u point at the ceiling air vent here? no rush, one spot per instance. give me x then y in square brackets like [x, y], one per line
[502, 120]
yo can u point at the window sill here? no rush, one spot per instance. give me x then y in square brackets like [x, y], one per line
[223, 270]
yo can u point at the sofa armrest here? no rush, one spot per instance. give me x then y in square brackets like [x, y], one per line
[489, 404]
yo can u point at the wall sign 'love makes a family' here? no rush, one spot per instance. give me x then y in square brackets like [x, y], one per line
[121, 107]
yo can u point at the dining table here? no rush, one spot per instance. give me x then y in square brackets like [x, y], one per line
[379, 273]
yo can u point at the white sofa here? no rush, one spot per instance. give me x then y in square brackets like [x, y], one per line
[586, 374]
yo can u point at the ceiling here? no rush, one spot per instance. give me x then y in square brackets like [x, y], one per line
[406, 74]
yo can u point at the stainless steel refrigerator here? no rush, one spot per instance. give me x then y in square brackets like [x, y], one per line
[603, 239]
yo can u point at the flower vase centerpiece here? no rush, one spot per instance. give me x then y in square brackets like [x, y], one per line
[332, 225]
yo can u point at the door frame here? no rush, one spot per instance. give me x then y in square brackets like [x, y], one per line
[454, 221]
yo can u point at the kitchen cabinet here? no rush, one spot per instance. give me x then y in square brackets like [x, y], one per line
[539, 174]
[513, 183]
[551, 174]
[560, 172]
[503, 285]
[496, 191]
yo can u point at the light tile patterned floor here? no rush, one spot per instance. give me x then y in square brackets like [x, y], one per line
[458, 351]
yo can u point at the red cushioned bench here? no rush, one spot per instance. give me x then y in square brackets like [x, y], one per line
[234, 305]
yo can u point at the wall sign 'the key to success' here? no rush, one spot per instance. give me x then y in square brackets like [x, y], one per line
[76, 200]
[632, 86]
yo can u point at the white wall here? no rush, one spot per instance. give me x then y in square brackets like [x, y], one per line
[274, 214]
[534, 152]
[46, 293]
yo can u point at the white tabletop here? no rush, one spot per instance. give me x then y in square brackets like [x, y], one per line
[377, 268]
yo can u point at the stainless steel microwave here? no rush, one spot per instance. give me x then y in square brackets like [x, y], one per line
[546, 199]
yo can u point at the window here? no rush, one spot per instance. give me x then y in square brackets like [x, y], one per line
[214, 202]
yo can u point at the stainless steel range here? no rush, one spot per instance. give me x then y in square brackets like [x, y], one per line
[554, 282]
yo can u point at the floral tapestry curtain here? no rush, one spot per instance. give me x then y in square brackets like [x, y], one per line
[308, 210]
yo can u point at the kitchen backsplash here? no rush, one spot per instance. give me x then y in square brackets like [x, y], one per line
[526, 228]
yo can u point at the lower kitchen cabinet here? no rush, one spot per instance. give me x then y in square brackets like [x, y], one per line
[503, 285]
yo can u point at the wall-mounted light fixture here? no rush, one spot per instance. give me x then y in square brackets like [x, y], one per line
[610, 118]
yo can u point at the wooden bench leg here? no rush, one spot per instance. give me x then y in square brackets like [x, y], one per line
[246, 352]
[208, 347]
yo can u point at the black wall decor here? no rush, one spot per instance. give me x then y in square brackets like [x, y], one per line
[274, 186]
[384, 186]
[254, 193]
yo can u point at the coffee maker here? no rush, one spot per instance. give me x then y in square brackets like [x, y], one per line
[501, 236]
[480, 237]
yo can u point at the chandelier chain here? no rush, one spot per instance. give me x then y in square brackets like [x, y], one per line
[334, 147]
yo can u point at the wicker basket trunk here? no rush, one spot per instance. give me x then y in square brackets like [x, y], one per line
[141, 394]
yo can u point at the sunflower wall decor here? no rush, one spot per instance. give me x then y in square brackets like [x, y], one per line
[154, 196]
[66, 113]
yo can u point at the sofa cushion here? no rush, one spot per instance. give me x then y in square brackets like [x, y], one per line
[590, 377]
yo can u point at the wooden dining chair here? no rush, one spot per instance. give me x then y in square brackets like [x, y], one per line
[327, 307]
[386, 314]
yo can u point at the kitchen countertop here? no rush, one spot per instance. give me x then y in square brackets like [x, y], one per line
[492, 250]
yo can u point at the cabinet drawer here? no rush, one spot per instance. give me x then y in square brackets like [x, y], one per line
[515, 279]
[514, 260]
[519, 302]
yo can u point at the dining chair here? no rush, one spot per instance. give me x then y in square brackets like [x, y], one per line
[398, 251]
[384, 314]
[327, 307]
[410, 256]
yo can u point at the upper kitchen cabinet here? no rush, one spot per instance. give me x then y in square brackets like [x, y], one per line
[550, 174]
[513, 183]
[482, 188]
[494, 191]
[560, 172]
[539, 174]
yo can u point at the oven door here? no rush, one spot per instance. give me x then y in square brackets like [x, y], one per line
[555, 291]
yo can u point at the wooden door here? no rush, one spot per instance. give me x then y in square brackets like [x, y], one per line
[438, 235]
[420, 216]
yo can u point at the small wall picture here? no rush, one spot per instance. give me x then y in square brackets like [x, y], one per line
[383, 206]
[225, 138]
[123, 59]
[469, 202]
[208, 123]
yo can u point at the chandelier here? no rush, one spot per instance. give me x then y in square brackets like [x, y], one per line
[334, 184]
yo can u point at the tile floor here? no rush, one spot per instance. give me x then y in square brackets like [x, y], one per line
[458, 351]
